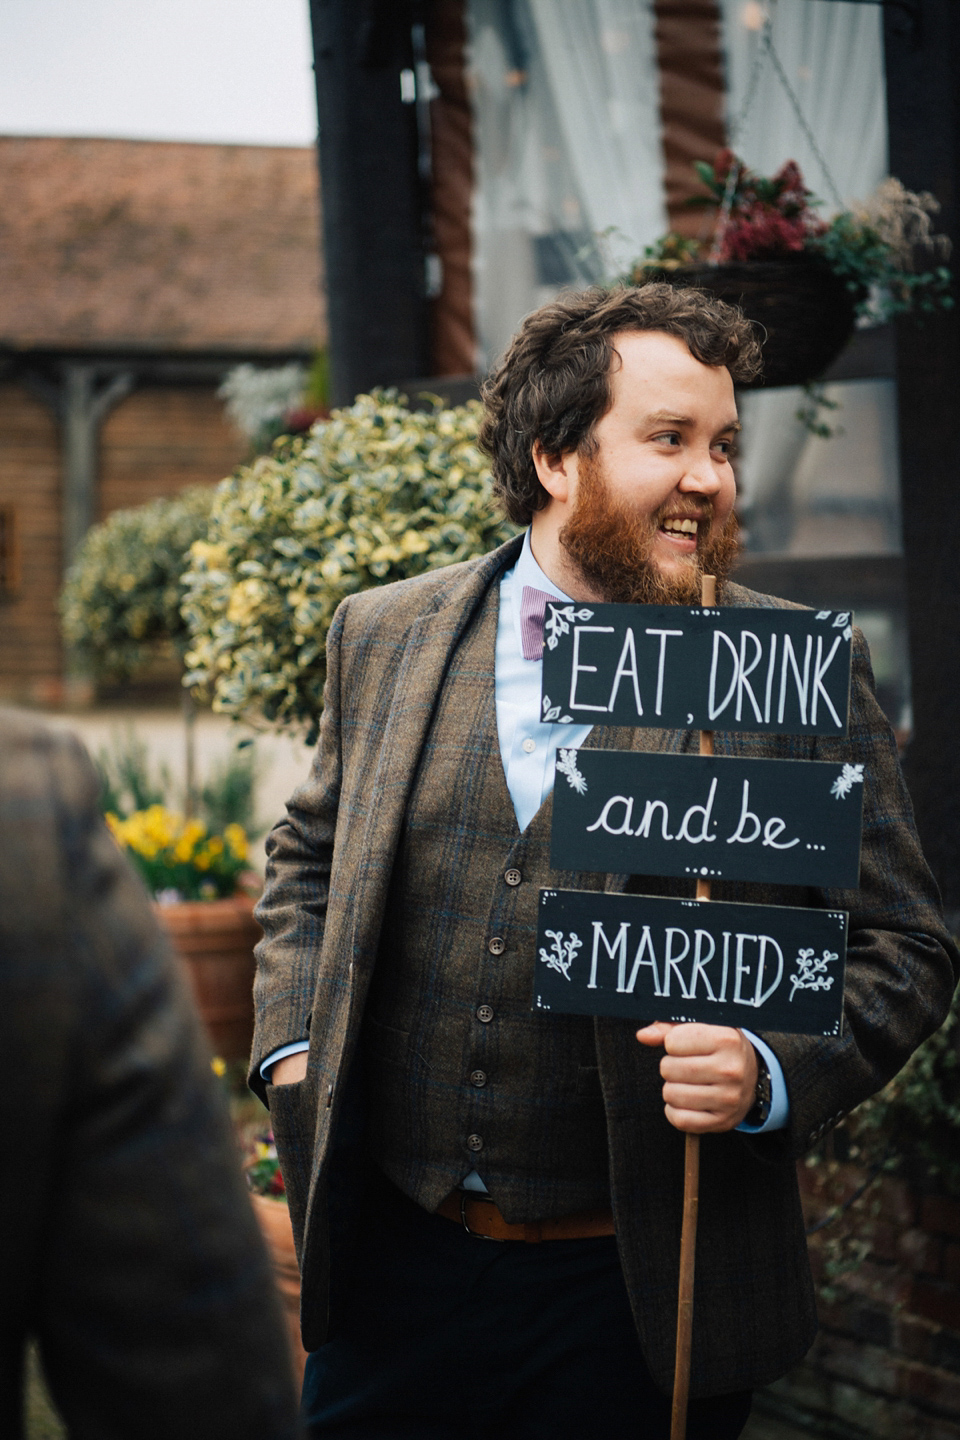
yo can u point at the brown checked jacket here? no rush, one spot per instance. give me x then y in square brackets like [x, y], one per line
[329, 871]
[131, 1254]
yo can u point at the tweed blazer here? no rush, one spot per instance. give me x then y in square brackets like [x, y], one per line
[329, 867]
[130, 1249]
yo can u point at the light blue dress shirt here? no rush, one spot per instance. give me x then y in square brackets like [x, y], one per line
[527, 749]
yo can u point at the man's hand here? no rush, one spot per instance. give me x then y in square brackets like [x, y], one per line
[290, 1069]
[709, 1074]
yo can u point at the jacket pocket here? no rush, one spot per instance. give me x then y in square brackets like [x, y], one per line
[293, 1117]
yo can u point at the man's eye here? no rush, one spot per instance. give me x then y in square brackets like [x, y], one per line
[671, 437]
[725, 447]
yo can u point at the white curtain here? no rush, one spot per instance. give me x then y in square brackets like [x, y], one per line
[795, 487]
[569, 182]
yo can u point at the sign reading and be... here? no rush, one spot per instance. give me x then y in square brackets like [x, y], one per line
[778, 822]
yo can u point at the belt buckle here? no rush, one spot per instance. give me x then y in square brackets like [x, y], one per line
[464, 1196]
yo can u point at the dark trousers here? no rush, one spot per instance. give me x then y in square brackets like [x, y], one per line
[450, 1337]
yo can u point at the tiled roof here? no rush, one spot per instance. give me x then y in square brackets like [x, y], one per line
[159, 246]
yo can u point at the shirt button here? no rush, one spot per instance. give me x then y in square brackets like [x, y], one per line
[478, 1078]
[529, 745]
[513, 877]
[497, 945]
[485, 1014]
[474, 1143]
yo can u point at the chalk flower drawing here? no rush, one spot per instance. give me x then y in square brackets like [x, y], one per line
[811, 972]
[562, 953]
[559, 621]
[551, 712]
[850, 775]
[841, 621]
[567, 765]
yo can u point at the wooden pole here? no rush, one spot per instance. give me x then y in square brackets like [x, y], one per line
[691, 1184]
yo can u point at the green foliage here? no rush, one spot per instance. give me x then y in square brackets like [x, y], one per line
[227, 797]
[377, 493]
[121, 601]
[127, 782]
[855, 250]
[910, 1127]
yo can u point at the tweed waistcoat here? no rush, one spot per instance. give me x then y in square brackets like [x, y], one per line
[461, 1074]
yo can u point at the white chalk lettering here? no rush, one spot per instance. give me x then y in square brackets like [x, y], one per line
[772, 830]
[726, 964]
[602, 820]
[643, 829]
[657, 709]
[819, 670]
[713, 708]
[629, 651]
[802, 685]
[743, 971]
[577, 669]
[746, 814]
[619, 945]
[645, 947]
[699, 961]
[744, 670]
[771, 666]
[762, 996]
[684, 832]
[672, 962]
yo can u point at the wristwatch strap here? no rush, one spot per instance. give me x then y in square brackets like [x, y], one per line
[760, 1112]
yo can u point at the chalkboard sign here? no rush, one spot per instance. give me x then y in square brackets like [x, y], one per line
[785, 822]
[644, 958]
[760, 670]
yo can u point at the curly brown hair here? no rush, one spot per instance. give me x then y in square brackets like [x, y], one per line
[552, 385]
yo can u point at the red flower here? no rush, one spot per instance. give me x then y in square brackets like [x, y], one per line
[277, 1186]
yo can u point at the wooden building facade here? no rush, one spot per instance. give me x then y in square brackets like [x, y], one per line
[133, 276]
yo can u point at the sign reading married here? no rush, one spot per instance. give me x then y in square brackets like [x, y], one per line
[765, 967]
[776, 671]
[787, 822]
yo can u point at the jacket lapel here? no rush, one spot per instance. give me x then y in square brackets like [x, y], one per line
[430, 644]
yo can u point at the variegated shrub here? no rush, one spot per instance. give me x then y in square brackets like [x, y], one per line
[377, 493]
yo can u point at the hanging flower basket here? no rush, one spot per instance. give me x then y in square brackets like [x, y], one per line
[806, 310]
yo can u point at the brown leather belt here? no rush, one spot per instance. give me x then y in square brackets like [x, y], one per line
[479, 1216]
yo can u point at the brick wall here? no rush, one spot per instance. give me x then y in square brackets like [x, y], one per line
[154, 443]
[886, 1363]
[30, 658]
[160, 440]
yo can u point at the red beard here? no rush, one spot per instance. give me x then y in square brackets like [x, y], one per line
[611, 545]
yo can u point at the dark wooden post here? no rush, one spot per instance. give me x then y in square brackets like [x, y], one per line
[922, 44]
[373, 206]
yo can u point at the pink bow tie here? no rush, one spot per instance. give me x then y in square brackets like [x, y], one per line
[533, 607]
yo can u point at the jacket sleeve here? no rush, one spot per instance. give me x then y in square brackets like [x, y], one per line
[293, 908]
[144, 1276]
[902, 963]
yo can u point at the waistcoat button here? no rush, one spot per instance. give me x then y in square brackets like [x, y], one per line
[485, 1014]
[474, 1142]
[497, 945]
[513, 877]
[529, 745]
[478, 1078]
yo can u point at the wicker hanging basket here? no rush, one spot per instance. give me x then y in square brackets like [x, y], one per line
[805, 309]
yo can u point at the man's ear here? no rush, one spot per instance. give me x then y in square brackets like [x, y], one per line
[556, 473]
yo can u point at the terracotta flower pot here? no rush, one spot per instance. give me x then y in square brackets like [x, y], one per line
[274, 1220]
[215, 940]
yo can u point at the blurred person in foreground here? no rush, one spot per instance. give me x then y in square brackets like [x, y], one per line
[422, 1109]
[131, 1252]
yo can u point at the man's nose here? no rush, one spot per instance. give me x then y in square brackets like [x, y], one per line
[700, 475]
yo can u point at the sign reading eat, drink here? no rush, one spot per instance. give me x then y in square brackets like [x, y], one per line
[678, 667]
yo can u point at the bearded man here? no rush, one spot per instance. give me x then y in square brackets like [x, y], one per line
[487, 1199]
